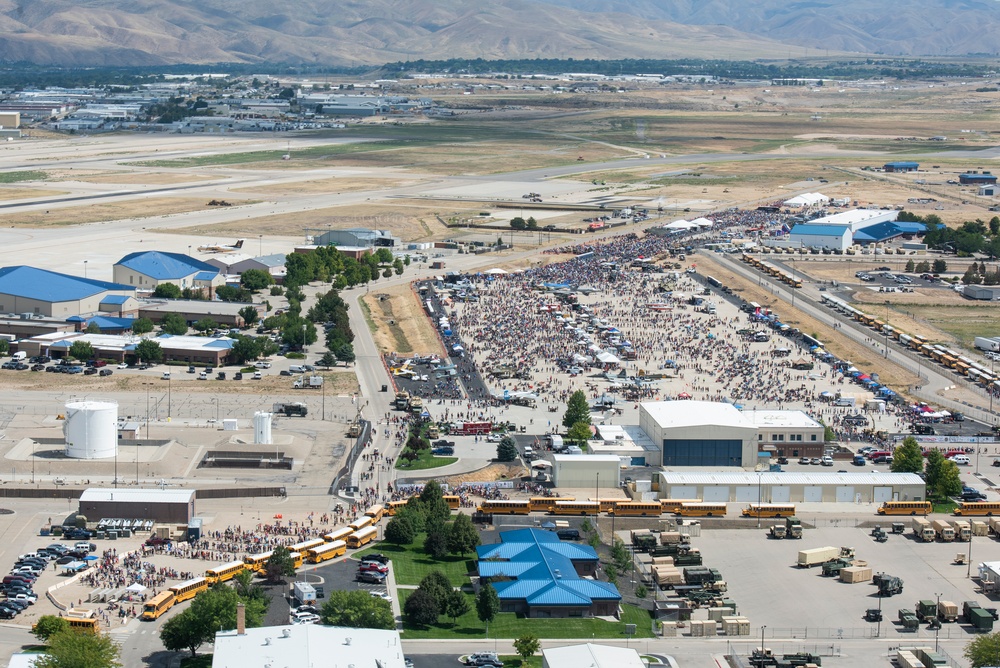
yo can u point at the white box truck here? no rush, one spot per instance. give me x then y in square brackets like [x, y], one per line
[817, 556]
[304, 593]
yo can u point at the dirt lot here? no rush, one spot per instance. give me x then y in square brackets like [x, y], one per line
[92, 213]
[326, 185]
[129, 178]
[15, 192]
[398, 323]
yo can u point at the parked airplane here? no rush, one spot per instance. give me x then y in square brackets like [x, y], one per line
[222, 248]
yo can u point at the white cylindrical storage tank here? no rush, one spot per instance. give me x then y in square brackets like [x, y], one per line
[91, 429]
[262, 428]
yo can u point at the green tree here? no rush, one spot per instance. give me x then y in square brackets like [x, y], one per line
[79, 650]
[327, 360]
[518, 223]
[506, 449]
[298, 333]
[437, 585]
[255, 279]
[93, 328]
[950, 482]
[436, 544]
[432, 497]
[227, 293]
[81, 350]
[167, 291]
[641, 591]
[995, 225]
[4, 346]
[907, 458]
[487, 603]
[923, 267]
[184, 631]
[173, 323]
[983, 651]
[357, 609]
[421, 608]
[531, 224]
[462, 536]
[48, 626]
[400, 530]
[940, 266]
[387, 272]
[280, 564]
[577, 410]
[456, 605]
[142, 326]
[579, 433]
[932, 472]
[249, 315]
[397, 266]
[148, 350]
[526, 646]
[345, 353]
[205, 325]
[910, 266]
[245, 349]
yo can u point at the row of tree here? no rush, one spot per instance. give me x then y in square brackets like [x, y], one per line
[941, 475]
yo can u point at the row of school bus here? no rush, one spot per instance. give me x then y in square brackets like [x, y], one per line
[357, 534]
[946, 357]
[771, 270]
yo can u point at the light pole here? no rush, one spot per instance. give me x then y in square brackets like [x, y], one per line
[260, 245]
[168, 398]
[878, 629]
[968, 571]
[147, 410]
[937, 627]
[885, 330]
[760, 474]
[85, 268]
[764, 626]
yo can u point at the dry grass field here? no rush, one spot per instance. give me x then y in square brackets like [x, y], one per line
[337, 382]
[93, 213]
[8, 193]
[398, 323]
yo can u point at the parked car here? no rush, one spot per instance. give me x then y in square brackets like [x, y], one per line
[804, 460]
[371, 577]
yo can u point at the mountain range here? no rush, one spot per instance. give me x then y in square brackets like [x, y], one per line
[372, 32]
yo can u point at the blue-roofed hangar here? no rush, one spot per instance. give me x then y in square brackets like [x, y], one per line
[40, 292]
[538, 575]
[148, 269]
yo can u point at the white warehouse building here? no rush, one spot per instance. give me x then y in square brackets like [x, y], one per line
[700, 433]
[786, 487]
[586, 471]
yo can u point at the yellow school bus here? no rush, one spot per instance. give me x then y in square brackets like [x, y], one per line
[337, 534]
[905, 508]
[360, 523]
[702, 510]
[497, 507]
[454, 501]
[306, 544]
[673, 505]
[542, 504]
[769, 510]
[159, 604]
[575, 508]
[189, 589]
[225, 572]
[326, 551]
[257, 562]
[607, 505]
[361, 538]
[978, 508]
[637, 509]
[375, 512]
[394, 506]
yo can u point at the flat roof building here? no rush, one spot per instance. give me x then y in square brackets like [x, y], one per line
[627, 442]
[585, 470]
[787, 433]
[901, 166]
[162, 505]
[193, 310]
[589, 655]
[834, 237]
[787, 487]
[360, 237]
[974, 178]
[307, 645]
[699, 433]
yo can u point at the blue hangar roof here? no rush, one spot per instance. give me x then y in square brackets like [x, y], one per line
[164, 266]
[49, 286]
[543, 569]
[888, 230]
[820, 230]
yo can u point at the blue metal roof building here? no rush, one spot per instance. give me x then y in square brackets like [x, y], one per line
[976, 179]
[146, 270]
[901, 166]
[835, 237]
[26, 289]
[543, 576]
[884, 231]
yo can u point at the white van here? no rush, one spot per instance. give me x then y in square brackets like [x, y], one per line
[19, 356]
[962, 460]
[296, 368]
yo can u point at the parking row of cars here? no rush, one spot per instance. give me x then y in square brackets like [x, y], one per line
[18, 585]
[825, 460]
[373, 569]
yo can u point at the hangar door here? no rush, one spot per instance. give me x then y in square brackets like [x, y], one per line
[716, 493]
[845, 494]
[683, 492]
[747, 494]
[812, 493]
[702, 452]
[781, 494]
[881, 494]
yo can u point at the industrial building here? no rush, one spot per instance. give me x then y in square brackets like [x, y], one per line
[304, 645]
[980, 292]
[787, 433]
[627, 442]
[785, 487]
[834, 237]
[34, 291]
[224, 314]
[175, 506]
[539, 575]
[901, 166]
[881, 232]
[589, 655]
[355, 237]
[191, 349]
[145, 270]
[238, 263]
[976, 179]
[587, 471]
[700, 433]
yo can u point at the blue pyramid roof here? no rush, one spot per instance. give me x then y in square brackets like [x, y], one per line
[165, 266]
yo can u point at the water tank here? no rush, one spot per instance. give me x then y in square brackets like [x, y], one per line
[91, 429]
[262, 428]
